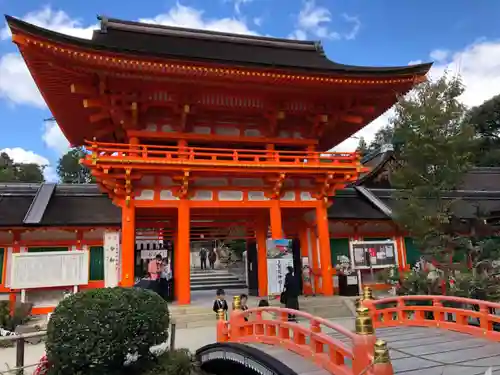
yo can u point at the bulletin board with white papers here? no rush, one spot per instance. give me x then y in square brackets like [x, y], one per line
[49, 269]
[373, 254]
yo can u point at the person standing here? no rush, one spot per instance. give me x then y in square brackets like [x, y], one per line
[203, 258]
[292, 292]
[212, 258]
[154, 267]
[154, 271]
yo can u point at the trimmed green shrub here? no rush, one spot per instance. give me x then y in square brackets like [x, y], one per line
[93, 331]
[176, 362]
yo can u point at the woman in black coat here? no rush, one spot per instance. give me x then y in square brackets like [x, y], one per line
[292, 292]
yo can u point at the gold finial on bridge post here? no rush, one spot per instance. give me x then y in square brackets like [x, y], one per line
[364, 324]
[220, 314]
[236, 303]
[358, 303]
[381, 353]
[367, 293]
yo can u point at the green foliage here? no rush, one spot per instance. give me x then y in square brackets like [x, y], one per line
[383, 136]
[435, 151]
[92, 332]
[238, 246]
[362, 147]
[486, 121]
[176, 362]
[19, 172]
[21, 315]
[69, 169]
[434, 154]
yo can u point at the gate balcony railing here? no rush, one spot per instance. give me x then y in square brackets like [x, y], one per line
[153, 154]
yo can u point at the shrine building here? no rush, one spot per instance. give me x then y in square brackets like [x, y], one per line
[190, 132]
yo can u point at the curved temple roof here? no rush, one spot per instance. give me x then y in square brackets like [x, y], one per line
[200, 45]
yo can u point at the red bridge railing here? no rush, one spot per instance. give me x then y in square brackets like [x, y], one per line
[475, 317]
[355, 354]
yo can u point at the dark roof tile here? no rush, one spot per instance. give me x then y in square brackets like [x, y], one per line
[81, 210]
[13, 208]
[200, 45]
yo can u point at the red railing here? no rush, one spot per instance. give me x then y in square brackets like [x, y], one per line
[310, 339]
[475, 317]
[115, 152]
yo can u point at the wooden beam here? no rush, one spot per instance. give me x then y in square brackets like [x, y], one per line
[94, 103]
[366, 109]
[79, 89]
[104, 131]
[96, 117]
[184, 113]
[135, 114]
[353, 119]
[19, 39]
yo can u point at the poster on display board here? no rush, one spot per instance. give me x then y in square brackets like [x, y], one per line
[276, 271]
[372, 255]
[279, 257]
[279, 249]
[307, 287]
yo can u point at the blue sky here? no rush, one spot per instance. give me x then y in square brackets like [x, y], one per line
[461, 36]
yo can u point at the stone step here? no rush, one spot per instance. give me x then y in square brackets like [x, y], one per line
[216, 281]
[209, 272]
[214, 278]
[223, 285]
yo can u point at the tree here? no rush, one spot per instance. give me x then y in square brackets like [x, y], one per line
[486, 121]
[362, 147]
[69, 169]
[383, 136]
[435, 151]
[19, 172]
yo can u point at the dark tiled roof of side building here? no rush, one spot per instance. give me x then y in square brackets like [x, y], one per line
[70, 205]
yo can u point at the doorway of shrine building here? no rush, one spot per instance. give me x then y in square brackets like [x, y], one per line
[230, 233]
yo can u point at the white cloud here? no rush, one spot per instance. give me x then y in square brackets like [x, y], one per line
[54, 138]
[439, 55]
[258, 21]
[185, 16]
[16, 84]
[356, 25]
[479, 67]
[315, 21]
[238, 4]
[56, 20]
[20, 155]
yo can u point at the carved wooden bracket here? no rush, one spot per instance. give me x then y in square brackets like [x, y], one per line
[183, 189]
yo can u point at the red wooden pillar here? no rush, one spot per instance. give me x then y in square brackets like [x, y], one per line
[183, 254]
[324, 249]
[276, 223]
[261, 237]
[128, 245]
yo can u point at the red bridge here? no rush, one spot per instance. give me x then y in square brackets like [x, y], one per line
[410, 334]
